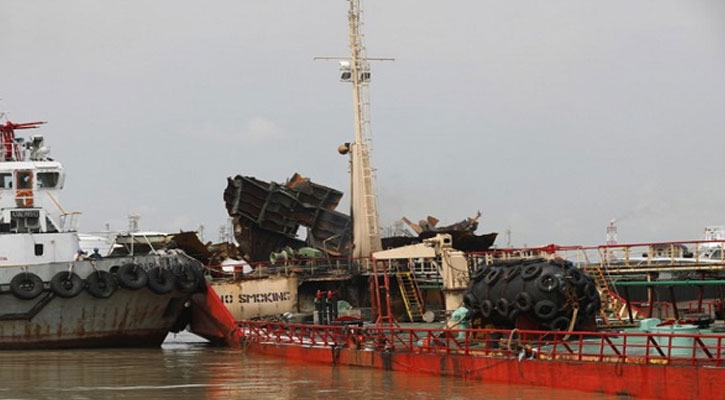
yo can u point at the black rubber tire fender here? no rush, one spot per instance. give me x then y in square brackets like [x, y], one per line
[186, 278]
[511, 273]
[545, 310]
[575, 277]
[479, 273]
[547, 282]
[524, 302]
[132, 276]
[492, 276]
[503, 307]
[101, 284]
[486, 308]
[531, 271]
[565, 287]
[590, 309]
[161, 280]
[470, 301]
[513, 315]
[66, 284]
[472, 314]
[560, 323]
[591, 292]
[559, 262]
[26, 285]
[508, 263]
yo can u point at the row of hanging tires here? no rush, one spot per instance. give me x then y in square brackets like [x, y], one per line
[545, 291]
[102, 284]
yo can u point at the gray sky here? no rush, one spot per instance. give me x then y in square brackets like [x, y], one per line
[551, 117]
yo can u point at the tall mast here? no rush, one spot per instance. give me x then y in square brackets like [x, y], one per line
[366, 225]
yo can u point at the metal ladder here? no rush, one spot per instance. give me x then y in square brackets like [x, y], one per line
[411, 295]
[380, 294]
[612, 304]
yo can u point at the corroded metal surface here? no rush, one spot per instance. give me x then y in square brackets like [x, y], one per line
[128, 318]
[638, 365]
[463, 233]
[640, 381]
[267, 215]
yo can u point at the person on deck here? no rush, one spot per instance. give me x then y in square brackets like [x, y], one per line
[80, 255]
[95, 255]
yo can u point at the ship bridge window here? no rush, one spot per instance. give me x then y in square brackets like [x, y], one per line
[25, 179]
[25, 225]
[48, 179]
[6, 180]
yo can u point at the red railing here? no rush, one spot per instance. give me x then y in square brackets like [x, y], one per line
[664, 309]
[646, 348]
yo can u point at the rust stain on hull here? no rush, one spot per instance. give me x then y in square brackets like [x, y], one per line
[637, 380]
[129, 318]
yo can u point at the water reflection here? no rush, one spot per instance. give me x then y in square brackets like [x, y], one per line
[184, 368]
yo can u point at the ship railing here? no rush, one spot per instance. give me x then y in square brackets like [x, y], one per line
[615, 347]
[607, 262]
[425, 270]
[329, 266]
[69, 221]
[693, 254]
[665, 309]
[478, 259]
[700, 255]
[659, 256]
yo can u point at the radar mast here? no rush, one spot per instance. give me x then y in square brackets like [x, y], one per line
[363, 204]
[364, 209]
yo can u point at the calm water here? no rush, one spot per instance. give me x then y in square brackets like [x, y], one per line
[186, 368]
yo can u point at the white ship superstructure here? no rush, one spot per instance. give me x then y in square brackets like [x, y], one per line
[34, 228]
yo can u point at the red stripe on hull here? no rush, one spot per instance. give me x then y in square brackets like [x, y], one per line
[638, 380]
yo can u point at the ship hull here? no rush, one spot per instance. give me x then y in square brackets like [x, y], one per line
[129, 318]
[256, 298]
[641, 381]
[126, 318]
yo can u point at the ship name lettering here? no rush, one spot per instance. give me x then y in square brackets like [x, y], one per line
[267, 297]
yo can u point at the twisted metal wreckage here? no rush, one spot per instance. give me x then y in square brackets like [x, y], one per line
[268, 215]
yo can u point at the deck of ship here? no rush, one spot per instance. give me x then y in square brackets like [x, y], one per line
[647, 365]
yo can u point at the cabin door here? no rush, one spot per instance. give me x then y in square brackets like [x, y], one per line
[24, 188]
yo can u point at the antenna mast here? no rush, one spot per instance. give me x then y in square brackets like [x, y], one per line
[366, 225]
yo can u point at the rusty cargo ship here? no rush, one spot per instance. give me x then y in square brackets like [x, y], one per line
[549, 316]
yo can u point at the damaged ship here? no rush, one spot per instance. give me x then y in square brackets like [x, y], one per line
[287, 274]
[268, 215]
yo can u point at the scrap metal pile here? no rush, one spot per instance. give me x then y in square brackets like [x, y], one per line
[463, 233]
[268, 215]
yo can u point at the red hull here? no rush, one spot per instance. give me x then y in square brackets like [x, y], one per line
[638, 380]
[212, 320]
